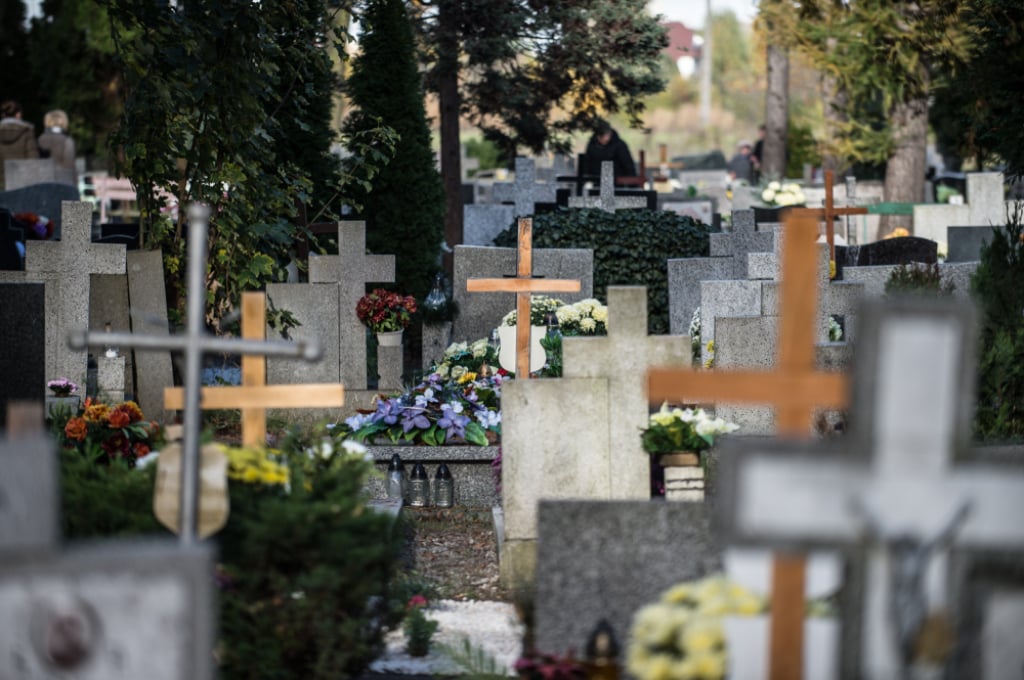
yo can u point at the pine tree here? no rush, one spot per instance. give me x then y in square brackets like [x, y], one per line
[404, 207]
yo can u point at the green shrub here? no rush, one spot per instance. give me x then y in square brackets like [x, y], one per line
[630, 248]
[997, 287]
[917, 278]
[303, 567]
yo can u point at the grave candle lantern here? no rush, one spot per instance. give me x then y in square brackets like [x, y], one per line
[396, 478]
[419, 487]
[444, 487]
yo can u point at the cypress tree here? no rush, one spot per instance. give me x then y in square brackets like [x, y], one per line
[403, 204]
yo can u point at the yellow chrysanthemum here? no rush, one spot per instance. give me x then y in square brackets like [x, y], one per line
[467, 377]
[702, 636]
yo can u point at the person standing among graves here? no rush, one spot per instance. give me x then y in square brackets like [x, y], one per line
[55, 142]
[17, 138]
[741, 167]
[606, 145]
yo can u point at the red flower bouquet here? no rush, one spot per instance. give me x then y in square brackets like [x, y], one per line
[383, 311]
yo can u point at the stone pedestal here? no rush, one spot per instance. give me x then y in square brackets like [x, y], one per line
[389, 367]
[436, 338]
[110, 378]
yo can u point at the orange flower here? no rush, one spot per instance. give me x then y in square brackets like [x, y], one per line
[76, 429]
[134, 412]
[96, 413]
[140, 449]
[119, 418]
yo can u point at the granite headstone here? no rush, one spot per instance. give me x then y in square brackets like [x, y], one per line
[23, 338]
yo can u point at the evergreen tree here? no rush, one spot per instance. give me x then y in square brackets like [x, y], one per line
[15, 80]
[404, 208]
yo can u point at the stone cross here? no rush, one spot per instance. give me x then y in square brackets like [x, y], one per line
[796, 390]
[194, 343]
[524, 191]
[895, 488]
[622, 357]
[829, 213]
[65, 266]
[254, 396]
[351, 269]
[523, 284]
[607, 200]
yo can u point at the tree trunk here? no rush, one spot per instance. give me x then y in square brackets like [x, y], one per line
[776, 114]
[834, 100]
[451, 161]
[904, 172]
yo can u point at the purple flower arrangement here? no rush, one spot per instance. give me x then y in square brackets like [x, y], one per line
[436, 412]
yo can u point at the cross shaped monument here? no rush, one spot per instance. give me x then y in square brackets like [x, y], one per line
[796, 389]
[194, 343]
[254, 396]
[523, 284]
[622, 357]
[66, 266]
[607, 200]
[829, 213]
[351, 269]
[894, 489]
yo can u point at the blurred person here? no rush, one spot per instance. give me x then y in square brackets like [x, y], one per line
[17, 138]
[55, 142]
[606, 145]
[741, 166]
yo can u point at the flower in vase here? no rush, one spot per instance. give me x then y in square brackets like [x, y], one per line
[62, 387]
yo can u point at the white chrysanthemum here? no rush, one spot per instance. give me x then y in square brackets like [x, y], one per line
[768, 195]
[657, 624]
[588, 325]
[567, 315]
[774, 186]
[457, 372]
[443, 370]
[509, 319]
[600, 313]
[479, 348]
[354, 448]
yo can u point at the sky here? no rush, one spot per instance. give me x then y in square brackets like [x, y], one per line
[691, 12]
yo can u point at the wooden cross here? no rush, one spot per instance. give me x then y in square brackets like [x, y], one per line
[254, 395]
[829, 213]
[796, 390]
[523, 284]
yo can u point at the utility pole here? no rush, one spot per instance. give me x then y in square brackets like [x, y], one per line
[705, 72]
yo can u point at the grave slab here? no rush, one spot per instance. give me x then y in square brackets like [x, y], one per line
[21, 173]
[483, 223]
[23, 338]
[965, 243]
[684, 278]
[607, 559]
[41, 199]
[147, 294]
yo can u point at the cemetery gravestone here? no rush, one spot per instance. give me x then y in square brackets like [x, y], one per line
[153, 369]
[607, 559]
[23, 338]
[42, 199]
[607, 200]
[965, 243]
[524, 192]
[895, 493]
[899, 250]
[26, 172]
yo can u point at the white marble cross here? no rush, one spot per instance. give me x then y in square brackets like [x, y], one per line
[623, 358]
[895, 491]
[351, 269]
[607, 200]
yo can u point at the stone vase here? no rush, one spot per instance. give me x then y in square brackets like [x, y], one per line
[389, 338]
[69, 403]
[683, 476]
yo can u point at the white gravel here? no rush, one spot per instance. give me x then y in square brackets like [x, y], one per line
[490, 626]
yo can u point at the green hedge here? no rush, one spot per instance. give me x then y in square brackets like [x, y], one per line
[303, 572]
[630, 248]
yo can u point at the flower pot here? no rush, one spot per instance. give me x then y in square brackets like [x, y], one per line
[683, 476]
[389, 338]
[507, 351]
[55, 404]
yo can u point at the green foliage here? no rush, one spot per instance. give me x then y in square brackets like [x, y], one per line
[996, 285]
[227, 105]
[474, 661]
[484, 151]
[418, 631]
[918, 279]
[404, 208]
[303, 569]
[533, 72]
[630, 248]
[977, 112]
[801, 148]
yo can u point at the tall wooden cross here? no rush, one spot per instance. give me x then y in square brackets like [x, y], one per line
[523, 284]
[195, 343]
[254, 396]
[829, 213]
[796, 390]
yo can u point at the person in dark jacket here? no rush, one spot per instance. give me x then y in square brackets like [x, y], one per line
[17, 138]
[606, 145]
